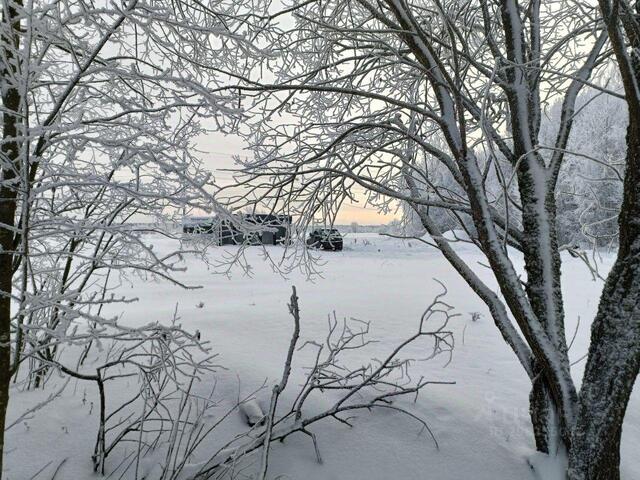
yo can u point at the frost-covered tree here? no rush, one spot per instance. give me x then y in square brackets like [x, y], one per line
[589, 189]
[367, 95]
[102, 103]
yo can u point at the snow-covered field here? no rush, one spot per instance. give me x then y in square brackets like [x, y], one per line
[481, 423]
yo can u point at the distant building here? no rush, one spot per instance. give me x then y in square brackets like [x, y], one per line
[277, 229]
[198, 225]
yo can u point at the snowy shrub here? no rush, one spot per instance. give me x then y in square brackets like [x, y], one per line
[174, 436]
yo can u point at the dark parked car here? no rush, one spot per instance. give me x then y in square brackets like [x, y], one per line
[325, 238]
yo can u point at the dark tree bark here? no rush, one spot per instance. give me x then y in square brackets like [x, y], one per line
[539, 235]
[11, 101]
[614, 353]
[544, 291]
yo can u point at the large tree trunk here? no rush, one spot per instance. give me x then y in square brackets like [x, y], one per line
[9, 41]
[542, 264]
[614, 353]
[539, 236]
[544, 289]
[612, 367]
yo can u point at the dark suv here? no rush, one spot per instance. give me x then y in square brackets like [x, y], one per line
[325, 238]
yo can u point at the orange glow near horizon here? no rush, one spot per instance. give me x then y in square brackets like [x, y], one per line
[350, 213]
[217, 151]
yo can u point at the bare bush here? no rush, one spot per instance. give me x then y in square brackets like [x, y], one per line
[165, 430]
[344, 388]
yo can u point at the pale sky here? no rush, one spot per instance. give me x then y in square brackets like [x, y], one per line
[217, 154]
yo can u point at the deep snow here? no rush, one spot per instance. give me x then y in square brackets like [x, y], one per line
[481, 422]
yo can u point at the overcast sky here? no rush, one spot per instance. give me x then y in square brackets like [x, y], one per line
[218, 151]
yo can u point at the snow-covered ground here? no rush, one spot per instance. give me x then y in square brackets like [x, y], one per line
[481, 422]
